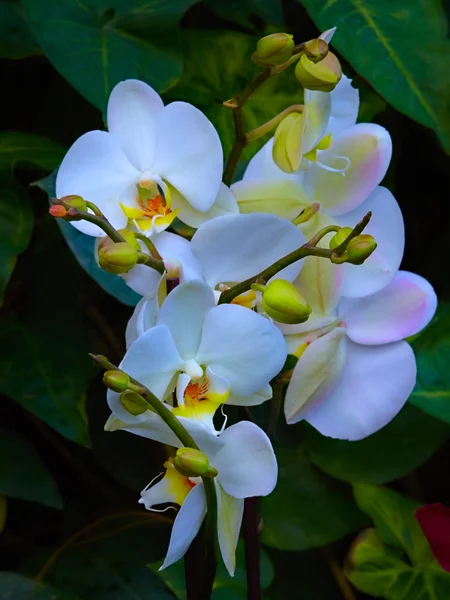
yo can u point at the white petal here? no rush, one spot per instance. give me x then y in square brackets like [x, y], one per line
[317, 371]
[369, 149]
[241, 346]
[229, 519]
[186, 525]
[246, 462]
[132, 109]
[173, 247]
[233, 248]
[262, 166]
[284, 198]
[318, 105]
[189, 154]
[327, 35]
[224, 204]
[375, 385]
[255, 399]
[399, 310]
[142, 280]
[388, 229]
[96, 168]
[143, 317]
[320, 282]
[344, 106]
[183, 312]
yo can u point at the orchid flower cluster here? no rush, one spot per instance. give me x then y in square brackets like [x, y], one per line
[290, 281]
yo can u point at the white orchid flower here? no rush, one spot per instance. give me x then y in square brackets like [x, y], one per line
[354, 372]
[325, 193]
[203, 355]
[246, 466]
[149, 147]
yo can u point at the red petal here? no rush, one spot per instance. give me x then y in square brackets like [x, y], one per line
[435, 522]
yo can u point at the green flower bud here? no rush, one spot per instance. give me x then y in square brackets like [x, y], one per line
[118, 258]
[340, 237]
[134, 403]
[360, 248]
[320, 77]
[117, 381]
[274, 49]
[287, 143]
[316, 50]
[193, 463]
[75, 202]
[283, 302]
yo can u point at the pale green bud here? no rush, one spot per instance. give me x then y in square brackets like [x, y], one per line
[118, 258]
[287, 144]
[360, 248]
[340, 237]
[316, 50]
[274, 49]
[75, 202]
[193, 463]
[134, 403]
[282, 301]
[320, 77]
[117, 381]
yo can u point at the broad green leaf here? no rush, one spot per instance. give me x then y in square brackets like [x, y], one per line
[23, 474]
[95, 44]
[28, 149]
[16, 40]
[400, 48]
[217, 67]
[432, 350]
[17, 587]
[307, 508]
[243, 12]
[377, 564]
[405, 443]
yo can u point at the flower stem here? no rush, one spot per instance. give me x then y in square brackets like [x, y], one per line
[251, 539]
[258, 132]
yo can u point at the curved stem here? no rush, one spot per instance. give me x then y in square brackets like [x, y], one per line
[258, 132]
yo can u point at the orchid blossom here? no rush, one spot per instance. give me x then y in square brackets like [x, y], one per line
[155, 163]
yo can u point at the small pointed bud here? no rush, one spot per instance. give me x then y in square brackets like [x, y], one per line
[134, 403]
[340, 237]
[58, 211]
[117, 381]
[193, 463]
[282, 301]
[274, 49]
[360, 248]
[118, 258]
[75, 202]
[287, 145]
[320, 77]
[316, 50]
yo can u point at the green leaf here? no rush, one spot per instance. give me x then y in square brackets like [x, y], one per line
[16, 587]
[400, 48]
[16, 40]
[307, 508]
[432, 350]
[405, 443]
[242, 12]
[28, 149]
[377, 563]
[94, 44]
[218, 66]
[23, 474]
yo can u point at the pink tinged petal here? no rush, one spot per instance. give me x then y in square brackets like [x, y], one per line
[369, 149]
[133, 107]
[399, 310]
[186, 525]
[388, 229]
[316, 373]
[284, 198]
[224, 204]
[229, 519]
[246, 462]
[320, 282]
[327, 35]
[344, 106]
[241, 346]
[96, 168]
[375, 385]
[318, 105]
[255, 399]
[189, 154]
[233, 248]
[183, 312]
[262, 166]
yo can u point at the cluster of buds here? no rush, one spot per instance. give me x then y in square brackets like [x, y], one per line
[358, 248]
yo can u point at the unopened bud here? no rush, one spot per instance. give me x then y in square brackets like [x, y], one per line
[316, 50]
[282, 301]
[320, 77]
[58, 211]
[274, 49]
[134, 403]
[117, 381]
[340, 237]
[287, 144]
[118, 258]
[75, 202]
[193, 463]
[360, 248]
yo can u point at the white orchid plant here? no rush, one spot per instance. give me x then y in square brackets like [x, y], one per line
[299, 259]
